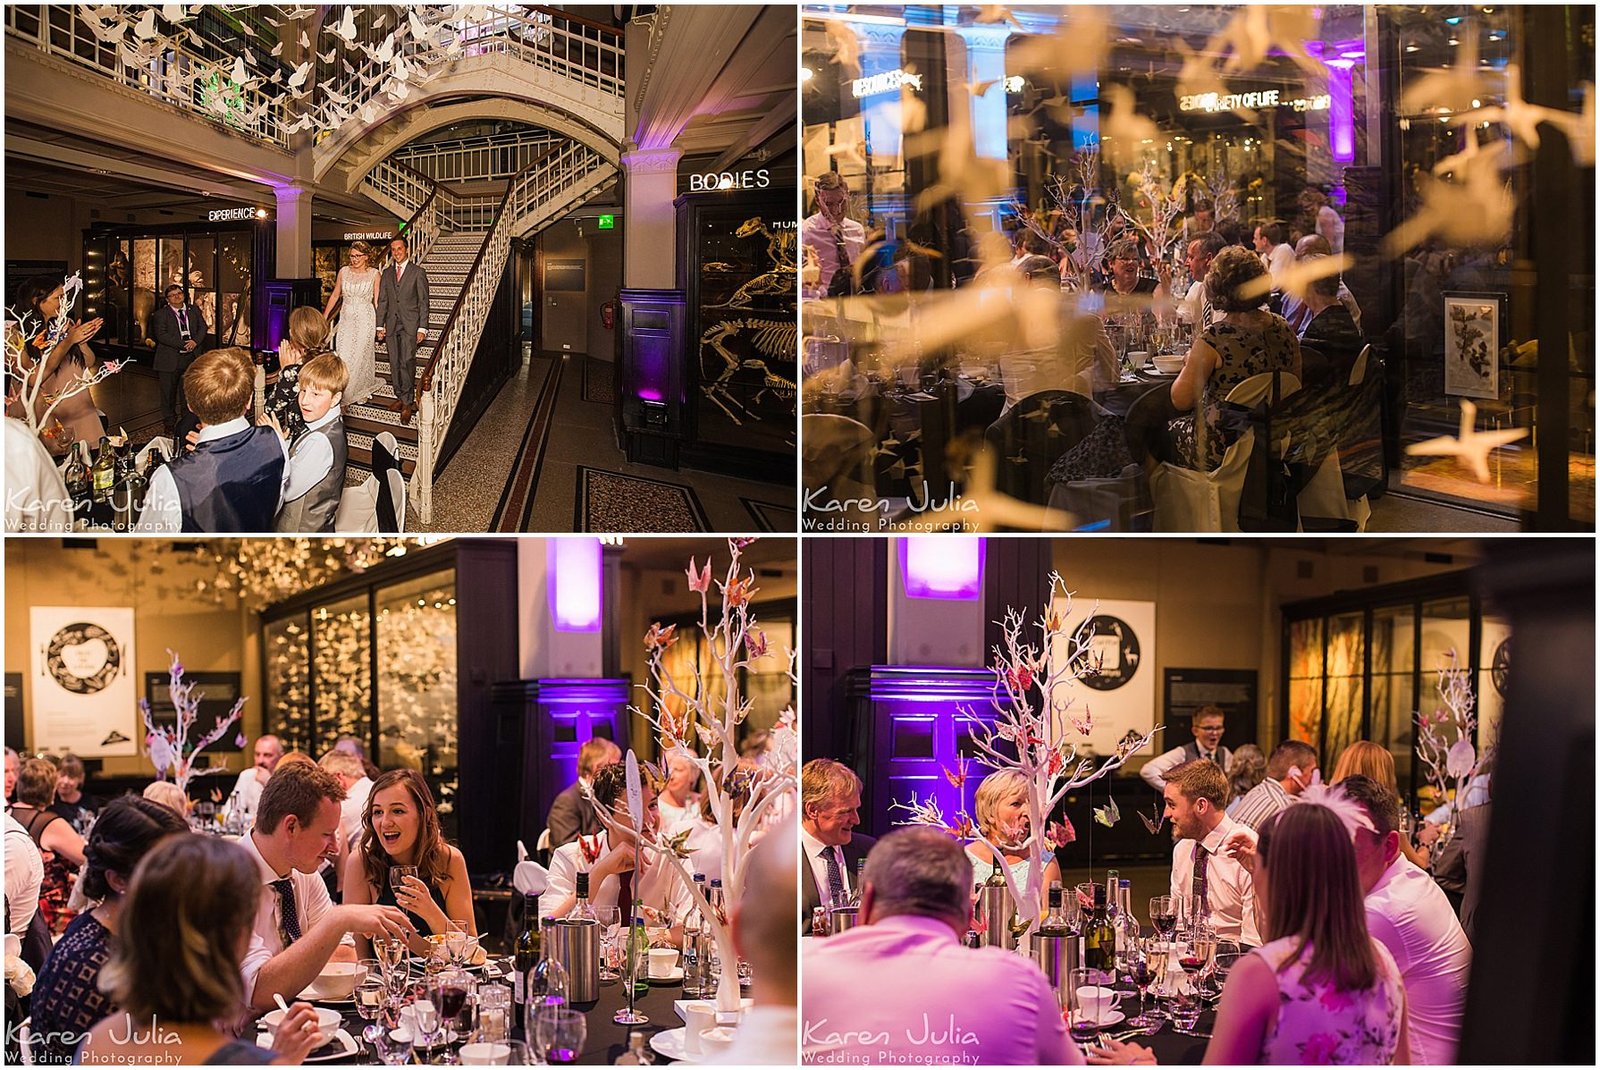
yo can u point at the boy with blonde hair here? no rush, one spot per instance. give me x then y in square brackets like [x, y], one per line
[317, 456]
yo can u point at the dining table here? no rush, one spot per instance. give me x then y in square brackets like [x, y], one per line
[604, 1041]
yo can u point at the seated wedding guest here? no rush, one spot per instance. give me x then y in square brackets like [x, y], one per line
[1124, 262]
[1330, 332]
[1195, 795]
[1321, 990]
[246, 795]
[352, 812]
[831, 239]
[64, 349]
[1195, 308]
[1411, 916]
[1275, 252]
[357, 749]
[71, 803]
[763, 933]
[1203, 221]
[298, 926]
[1207, 725]
[169, 795]
[1289, 772]
[1243, 340]
[13, 768]
[317, 457]
[610, 854]
[679, 803]
[1001, 811]
[1368, 759]
[66, 999]
[1248, 768]
[572, 814]
[36, 495]
[307, 339]
[59, 843]
[401, 828]
[1461, 863]
[870, 992]
[197, 894]
[830, 809]
[232, 481]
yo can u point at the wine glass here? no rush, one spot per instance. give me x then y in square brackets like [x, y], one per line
[426, 1015]
[397, 878]
[370, 995]
[1204, 942]
[391, 952]
[1226, 953]
[610, 919]
[392, 1041]
[1164, 915]
[560, 1033]
[450, 991]
[459, 943]
[1141, 950]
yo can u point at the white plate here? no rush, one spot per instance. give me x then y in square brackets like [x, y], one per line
[670, 979]
[679, 1004]
[341, 1037]
[668, 1043]
[1110, 1020]
[309, 997]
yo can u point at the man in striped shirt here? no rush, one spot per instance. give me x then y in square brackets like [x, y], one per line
[1289, 770]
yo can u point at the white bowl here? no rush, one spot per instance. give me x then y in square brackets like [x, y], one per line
[327, 1021]
[1168, 365]
[337, 980]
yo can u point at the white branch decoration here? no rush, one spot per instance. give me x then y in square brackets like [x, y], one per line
[27, 371]
[1445, 738]
[169, 747]
[710, 718]
[1039, 731]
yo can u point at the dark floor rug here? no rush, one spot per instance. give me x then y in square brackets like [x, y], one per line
[610, 501]
[771, 517]
[598, 381]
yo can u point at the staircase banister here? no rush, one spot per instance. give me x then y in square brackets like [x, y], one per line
[568, 16]
[472, 273]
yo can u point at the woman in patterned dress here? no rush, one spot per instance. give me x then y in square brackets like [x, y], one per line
[1321, 991]
[1243, 340]
[59, 843]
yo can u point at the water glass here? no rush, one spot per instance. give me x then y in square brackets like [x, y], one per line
[392, 1041]
[610, 919]
[370, 996]
[1184, 1010]
[559, 1034]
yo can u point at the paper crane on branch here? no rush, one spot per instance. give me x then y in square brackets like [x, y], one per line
[700, 720]
[169, 746]
[1039, 728]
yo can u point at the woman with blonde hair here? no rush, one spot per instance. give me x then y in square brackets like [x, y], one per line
[1366, 758]
[401, 828]
[174, 971]
[356, 289]
[1246, 769]
[1001, 811]
[168, 794]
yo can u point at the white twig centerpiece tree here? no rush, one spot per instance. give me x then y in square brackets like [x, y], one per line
[1445, 739]
[169, 745]
[701, 722]
[1040, 728]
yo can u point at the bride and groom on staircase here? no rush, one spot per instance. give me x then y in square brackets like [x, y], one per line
[389, 306]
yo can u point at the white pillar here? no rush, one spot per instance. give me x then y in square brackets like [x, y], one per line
[294, 232]
[880, 111]
[986, 62]
[649, 235]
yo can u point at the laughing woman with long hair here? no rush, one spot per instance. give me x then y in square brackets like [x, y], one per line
[401, 828]
[1321, 990]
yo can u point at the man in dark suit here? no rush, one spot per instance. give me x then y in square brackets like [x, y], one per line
[830, 809]
[403, 322]
[180, 333]
[572, 814]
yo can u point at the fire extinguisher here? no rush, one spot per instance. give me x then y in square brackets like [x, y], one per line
[608, 315]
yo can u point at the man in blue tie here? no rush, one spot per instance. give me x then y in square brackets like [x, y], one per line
[830, 809]
[179, 329]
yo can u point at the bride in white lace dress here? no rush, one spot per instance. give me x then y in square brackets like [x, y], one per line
[356, 287]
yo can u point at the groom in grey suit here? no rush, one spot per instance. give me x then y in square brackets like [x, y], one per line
[403, 322]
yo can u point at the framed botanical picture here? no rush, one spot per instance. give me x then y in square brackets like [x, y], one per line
[1472, 343]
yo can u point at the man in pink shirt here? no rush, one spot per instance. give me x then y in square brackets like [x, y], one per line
[900, 988]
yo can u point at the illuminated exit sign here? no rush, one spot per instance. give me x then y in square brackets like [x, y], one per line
[608, 221]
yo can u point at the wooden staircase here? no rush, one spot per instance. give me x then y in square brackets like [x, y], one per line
[447, 263]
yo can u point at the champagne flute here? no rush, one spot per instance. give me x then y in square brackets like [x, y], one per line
[391, 955]
[610, 919]
[1205, 947]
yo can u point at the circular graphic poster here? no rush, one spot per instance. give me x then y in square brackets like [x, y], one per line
[83, 689]
[1113, 653]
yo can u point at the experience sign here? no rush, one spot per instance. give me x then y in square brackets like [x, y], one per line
[1268, 98]
[217, 215]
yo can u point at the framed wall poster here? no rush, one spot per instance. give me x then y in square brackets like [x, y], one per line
[84, 700]
[1186, 690]
[1120, 697]
[565, 276]
[1472, 343]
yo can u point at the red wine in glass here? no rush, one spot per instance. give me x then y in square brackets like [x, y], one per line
[1083, 1031]
[1166, 924]
[452, 998]
[1191, 964]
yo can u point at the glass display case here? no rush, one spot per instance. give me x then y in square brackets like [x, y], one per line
[738, 269]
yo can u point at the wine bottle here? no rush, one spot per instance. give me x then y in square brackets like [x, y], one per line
[77, 480]
[639, 956]
[582, 910]
[1099, 942]
[526, 952]
[104, 473]
[637, 1054]
[1055, 919]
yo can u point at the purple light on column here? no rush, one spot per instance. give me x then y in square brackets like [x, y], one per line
[573, 577]
[942, 566]
[1341, 110]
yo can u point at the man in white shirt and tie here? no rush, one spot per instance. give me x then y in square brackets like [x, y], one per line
[830, 809]
[1202, 868]
[1207, 726]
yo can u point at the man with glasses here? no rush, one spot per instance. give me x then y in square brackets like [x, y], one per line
[1207, 727]
[830, 809]
[833, 241]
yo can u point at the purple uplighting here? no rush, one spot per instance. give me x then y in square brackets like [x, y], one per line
[574, 577]
[654, 366]
[942, 566]
[1341, 111]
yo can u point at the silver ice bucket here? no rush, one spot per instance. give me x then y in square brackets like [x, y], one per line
[575, 943]
[842, 918]
[1058, 956]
